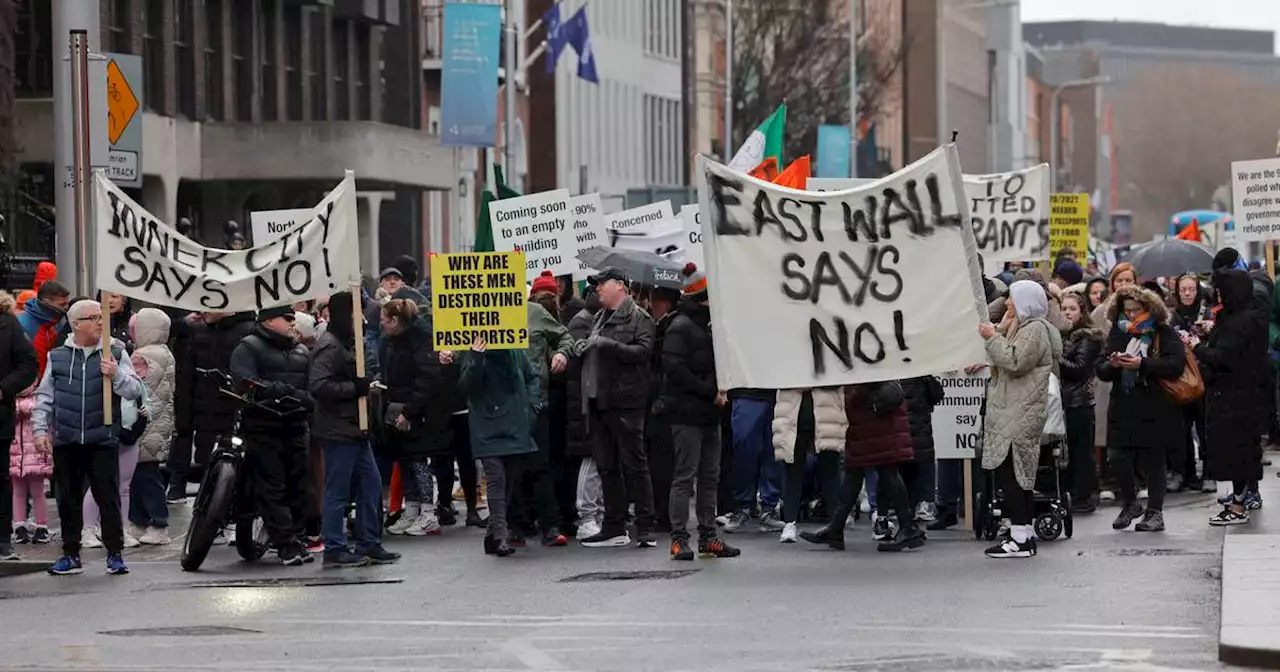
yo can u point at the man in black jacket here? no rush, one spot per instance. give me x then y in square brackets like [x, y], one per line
[201, 411]
[271, 360]
[348, 457]
[17, 370]
[689, 401]
[615, 392]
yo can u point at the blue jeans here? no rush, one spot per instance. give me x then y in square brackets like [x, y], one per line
[147, 507]
[754, 469]
[347, 465]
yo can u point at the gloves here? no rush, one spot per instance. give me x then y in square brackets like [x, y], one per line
[277, 390]
[362, 386]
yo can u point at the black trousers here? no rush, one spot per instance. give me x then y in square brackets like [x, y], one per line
[828, 467]
[1194, 418]
[1151, 461]
[1082, 460]
[6, 507]
[892, 492]
[617, 445]
[564, 467]
[442, 465]
[198, 445]
[1019, 504]
[279, 466]
[660, 450]
[531, 490]
[97, 468]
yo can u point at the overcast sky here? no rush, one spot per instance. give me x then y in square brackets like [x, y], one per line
[1261, 14]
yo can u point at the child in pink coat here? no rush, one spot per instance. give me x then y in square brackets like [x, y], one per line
[27, 470]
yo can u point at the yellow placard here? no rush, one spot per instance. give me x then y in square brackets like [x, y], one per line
[479, 294]
[1068, 223]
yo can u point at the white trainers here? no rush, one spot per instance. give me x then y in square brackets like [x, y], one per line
[736, 520]
[770, 522]
[864, 502]
[155, 536]
[789, 534]
[1143, 494]
[588, 528]
[91, 538]
[131, 541]
[134, 531]
[1106, 496]
[926, 512]
[425, 524]
[407, 519]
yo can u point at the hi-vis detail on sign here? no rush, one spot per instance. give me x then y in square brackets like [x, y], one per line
[1068, 223]
[541, 226]
[479, 294]
[141, 257]
[815, 289]
[1010, 215]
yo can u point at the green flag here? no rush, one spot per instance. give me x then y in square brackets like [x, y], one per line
[484, 228]
[764, 142]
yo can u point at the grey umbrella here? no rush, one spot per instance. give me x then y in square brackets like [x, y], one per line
[1170, 257]
[643, 267]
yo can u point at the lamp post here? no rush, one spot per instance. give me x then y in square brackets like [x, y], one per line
[1053, 121]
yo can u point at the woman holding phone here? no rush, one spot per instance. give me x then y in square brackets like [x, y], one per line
[1141, 351]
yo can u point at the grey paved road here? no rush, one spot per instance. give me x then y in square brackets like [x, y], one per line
[1105, 600]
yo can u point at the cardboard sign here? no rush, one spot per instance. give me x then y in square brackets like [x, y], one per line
[1010, 215]
[588, 228]
[1068, 223]
[141, 257]
[957, 427]
[692, 234]
[815, 289]
[1255, 196]
[479, 294]
[540, 226]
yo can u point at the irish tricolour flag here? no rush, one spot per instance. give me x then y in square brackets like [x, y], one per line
[764, 142]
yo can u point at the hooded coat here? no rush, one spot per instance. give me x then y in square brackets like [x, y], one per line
[120, 322]
[24, 460]
[1017, 395]
[577, 433]
[502, 398]
[157, 367]
[1233, 361]
[688, 368]
[198, 403]
[40, 322]
[1143, 417]
[1081, 347]
[879, 432]
[923, 394]
[414, 377]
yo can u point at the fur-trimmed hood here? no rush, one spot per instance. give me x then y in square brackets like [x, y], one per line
[1077, 334]
[1149, 300]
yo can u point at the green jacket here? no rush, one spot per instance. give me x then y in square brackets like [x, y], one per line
[547, 338]
[503, 400]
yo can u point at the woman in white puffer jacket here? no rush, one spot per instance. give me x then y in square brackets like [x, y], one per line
[806, 422]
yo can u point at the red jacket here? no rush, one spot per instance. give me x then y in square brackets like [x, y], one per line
[879, 429]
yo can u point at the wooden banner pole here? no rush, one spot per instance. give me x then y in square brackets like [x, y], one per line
[968, 494]
[357, 325]
[1270, 249]
[105, 342]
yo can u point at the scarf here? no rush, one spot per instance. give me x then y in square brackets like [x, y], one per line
[1143, 329]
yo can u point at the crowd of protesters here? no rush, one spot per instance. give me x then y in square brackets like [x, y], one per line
[610, 428]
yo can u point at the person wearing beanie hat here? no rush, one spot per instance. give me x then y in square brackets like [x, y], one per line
[408, 268]
[545, 282]
[1067, 273]
[271, 356]
[691, 402]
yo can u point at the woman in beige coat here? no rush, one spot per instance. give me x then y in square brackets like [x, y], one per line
[1022, 358]
[808, 422]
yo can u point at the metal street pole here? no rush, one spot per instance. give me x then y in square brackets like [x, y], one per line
[68, 15]
[1054, 122]
[853, 88]
[728, 81]
[509, 105]
[81, 170]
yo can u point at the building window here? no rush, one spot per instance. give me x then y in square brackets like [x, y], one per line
[270, 39]
[316, 67]
[341, 70]
[118, 27]
[242, 62]
[153, 55]
[186, 74]
[33, 46]
[214, 108]
[364, 102]
[293, 63]
[663, 141]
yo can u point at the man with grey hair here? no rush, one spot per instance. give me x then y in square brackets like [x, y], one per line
[69, 420]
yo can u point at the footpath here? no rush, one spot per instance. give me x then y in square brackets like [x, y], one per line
[1250, 630]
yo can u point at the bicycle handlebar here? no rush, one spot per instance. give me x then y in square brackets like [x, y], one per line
[227, 386]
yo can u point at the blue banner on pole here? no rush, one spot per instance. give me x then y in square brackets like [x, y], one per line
[833, 151]
[469, 82]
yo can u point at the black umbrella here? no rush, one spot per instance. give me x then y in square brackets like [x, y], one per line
[643, 267]
[1170, 257]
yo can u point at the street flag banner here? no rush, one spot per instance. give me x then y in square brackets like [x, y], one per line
[763, 143]
[540, 226]
[143, 258]
[1255, 195]
[469, 74]
[692, 222]
[816, 289]
[1010, 215]
[479, 294]
[957, 430]
[1068, 223]
[588, 228]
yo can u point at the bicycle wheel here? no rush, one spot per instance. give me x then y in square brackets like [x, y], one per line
[210, 514]
[251, 538]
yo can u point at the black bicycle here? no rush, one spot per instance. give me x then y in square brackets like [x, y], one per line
[227, 490]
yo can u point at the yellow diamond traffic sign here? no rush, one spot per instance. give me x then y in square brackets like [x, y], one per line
[122, 104]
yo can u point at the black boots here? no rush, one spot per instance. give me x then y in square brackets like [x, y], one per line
[832, 537]
[499, 548]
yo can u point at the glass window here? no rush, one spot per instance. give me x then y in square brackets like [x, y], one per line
[186, 74]
[153, 55]
[270, 41]
[341, 70]
[242, 62]
[364, 101]
[316, 66]
[213, 93]
[118, 27]
[293, 62]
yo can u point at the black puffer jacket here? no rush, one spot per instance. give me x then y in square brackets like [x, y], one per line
[198, 405]
[689, 388]
[283, 365]
[577, 433]
[332, 381]
[412, 373]
[922, 394]
[1081, 348]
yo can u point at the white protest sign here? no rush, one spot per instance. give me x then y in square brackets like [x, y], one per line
[641, 219]
[817, 289]
[1009, 212]
[268, 225]
[538, 225]
[1255, 198]
[588, 228]
[957, 429]
[651, 228]
[692, 234]
[141, 257]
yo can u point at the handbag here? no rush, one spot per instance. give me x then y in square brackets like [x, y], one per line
[1055, 420]
[1185, 388]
